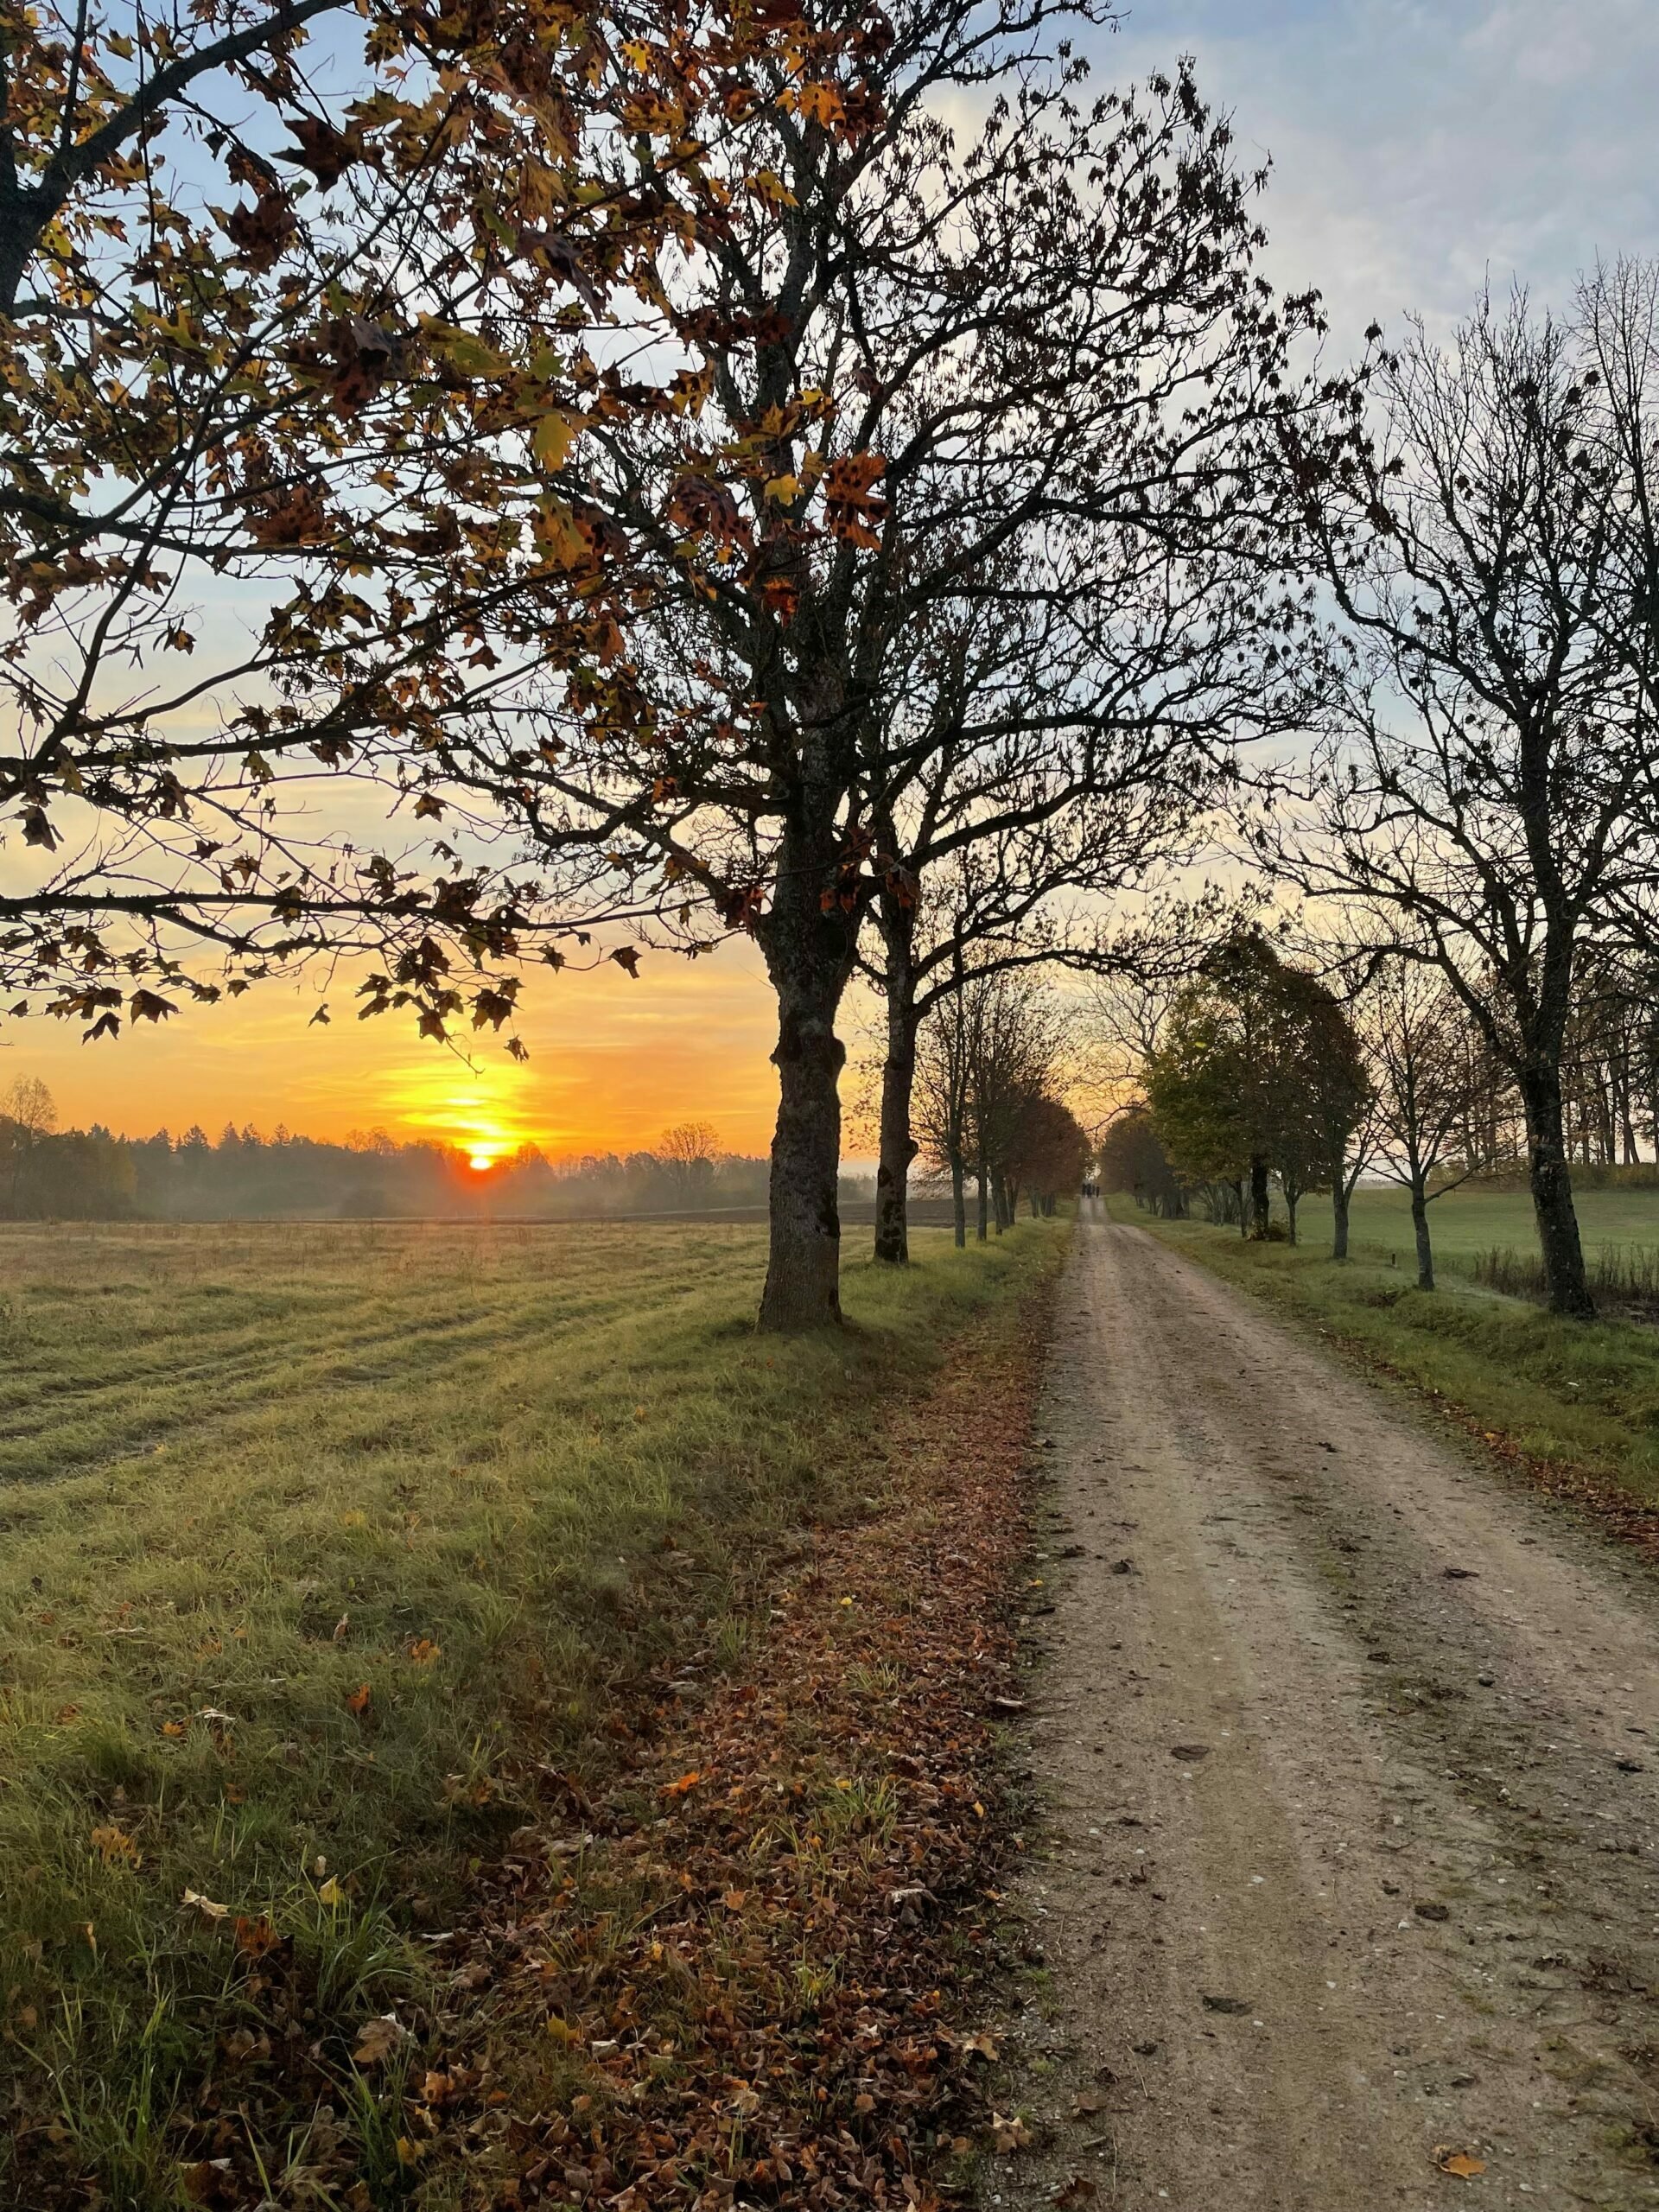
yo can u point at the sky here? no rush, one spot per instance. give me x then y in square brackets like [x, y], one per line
[1419, 148]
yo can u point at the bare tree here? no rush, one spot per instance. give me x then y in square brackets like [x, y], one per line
[1056, 758]
[1490, 773]
[687, 1153]
[942, 1093]
[989, 1049]
[30, 1106]
[1416, 1033]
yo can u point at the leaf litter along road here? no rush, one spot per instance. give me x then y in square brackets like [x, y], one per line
[749, 1970]
[1349, 1898]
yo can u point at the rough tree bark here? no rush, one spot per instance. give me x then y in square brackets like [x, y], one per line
[808, 957]
[1551, 1192]
[959, 1199]
[1339, 1208]
[1420, 1230]
[1261, 1204]
[898, 1146]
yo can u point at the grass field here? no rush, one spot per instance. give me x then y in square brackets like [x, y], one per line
[1583, 1398]
[318, 1542]
[1471, 1220]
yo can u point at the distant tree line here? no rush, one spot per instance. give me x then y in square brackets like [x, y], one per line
[91, 1175]
[989, 1069]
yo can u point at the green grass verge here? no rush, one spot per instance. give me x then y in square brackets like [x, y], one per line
[1582, 1395]
[489, 1476]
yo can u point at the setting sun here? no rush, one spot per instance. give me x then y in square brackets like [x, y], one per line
[481, 1162]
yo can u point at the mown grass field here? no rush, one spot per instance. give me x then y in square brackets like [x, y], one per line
[319, 1544]
[1577, 1397]
[1468, 1221]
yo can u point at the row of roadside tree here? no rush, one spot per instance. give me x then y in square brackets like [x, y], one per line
[671, 485]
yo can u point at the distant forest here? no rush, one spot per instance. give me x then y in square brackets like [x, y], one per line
[49, 1174]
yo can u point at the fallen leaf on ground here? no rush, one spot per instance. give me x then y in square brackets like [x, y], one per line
[254, 1937]
[379, 2039]
[1086, 2105]
[194, 1902]
[1009, 2135]
[358, 1699]
[1462, 2163]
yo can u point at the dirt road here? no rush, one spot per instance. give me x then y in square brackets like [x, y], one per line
[1351, 1751]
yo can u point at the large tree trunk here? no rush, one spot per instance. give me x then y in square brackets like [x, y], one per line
[1339, 1210]
[1261, 1204]
[983, 1175]
[1420, 1230]
[898, 1148]
[809, 957]
[959, 1199]
[1552, 1194]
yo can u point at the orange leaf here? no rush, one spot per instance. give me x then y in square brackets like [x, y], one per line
[1461, 2162]
[686, 1782]
[358, 1702]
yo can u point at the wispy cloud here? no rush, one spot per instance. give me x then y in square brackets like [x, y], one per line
[1419, 148]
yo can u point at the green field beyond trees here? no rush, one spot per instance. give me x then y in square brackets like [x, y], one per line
[1466, 1221]
[316, 1540]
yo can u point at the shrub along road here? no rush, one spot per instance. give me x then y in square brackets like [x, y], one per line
[1353, 1754]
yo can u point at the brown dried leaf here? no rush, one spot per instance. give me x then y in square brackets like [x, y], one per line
[1450, 2160]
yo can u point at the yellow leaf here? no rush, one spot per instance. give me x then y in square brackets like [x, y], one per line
[551, 439]
[193, 1901]
[467, 354]
[115, 1847]
[784, 487]
[331, 1893]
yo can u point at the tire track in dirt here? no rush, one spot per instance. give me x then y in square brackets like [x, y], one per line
[1352, 1758]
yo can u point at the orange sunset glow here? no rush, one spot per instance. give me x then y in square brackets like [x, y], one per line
[613, 1063]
